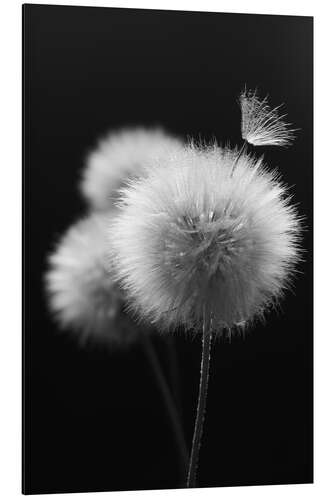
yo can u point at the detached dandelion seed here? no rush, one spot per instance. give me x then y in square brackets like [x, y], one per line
[261, 125]
[83, 296]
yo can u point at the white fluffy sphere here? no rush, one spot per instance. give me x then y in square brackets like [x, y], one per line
[119, 157]
[193, 236]
[82, 294]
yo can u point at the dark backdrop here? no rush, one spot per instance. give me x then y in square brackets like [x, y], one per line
[93, 420]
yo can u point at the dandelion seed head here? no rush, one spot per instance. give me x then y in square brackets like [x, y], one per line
[191, 237]
[261, 125]
[120, 156]
[82, 294]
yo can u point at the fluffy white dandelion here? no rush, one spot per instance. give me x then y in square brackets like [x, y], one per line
[120, 156]
[261, 125]
[190, 239]
[82, 294]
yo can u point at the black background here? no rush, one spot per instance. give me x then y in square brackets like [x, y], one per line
[94, 420]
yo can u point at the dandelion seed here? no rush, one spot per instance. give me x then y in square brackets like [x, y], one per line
[261, 125]
[119, 157]
[82, 294]
[190, 238]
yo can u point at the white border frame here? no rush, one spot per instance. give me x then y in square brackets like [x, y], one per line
[10, 259]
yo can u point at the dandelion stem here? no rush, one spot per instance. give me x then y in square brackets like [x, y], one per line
[237, 158]
[200, 416]
[169, 404]
[174, 372]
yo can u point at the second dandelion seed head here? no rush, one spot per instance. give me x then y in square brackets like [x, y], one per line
[82, 293]
[191, 237]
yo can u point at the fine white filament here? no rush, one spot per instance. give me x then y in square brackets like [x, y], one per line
[261, 125]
